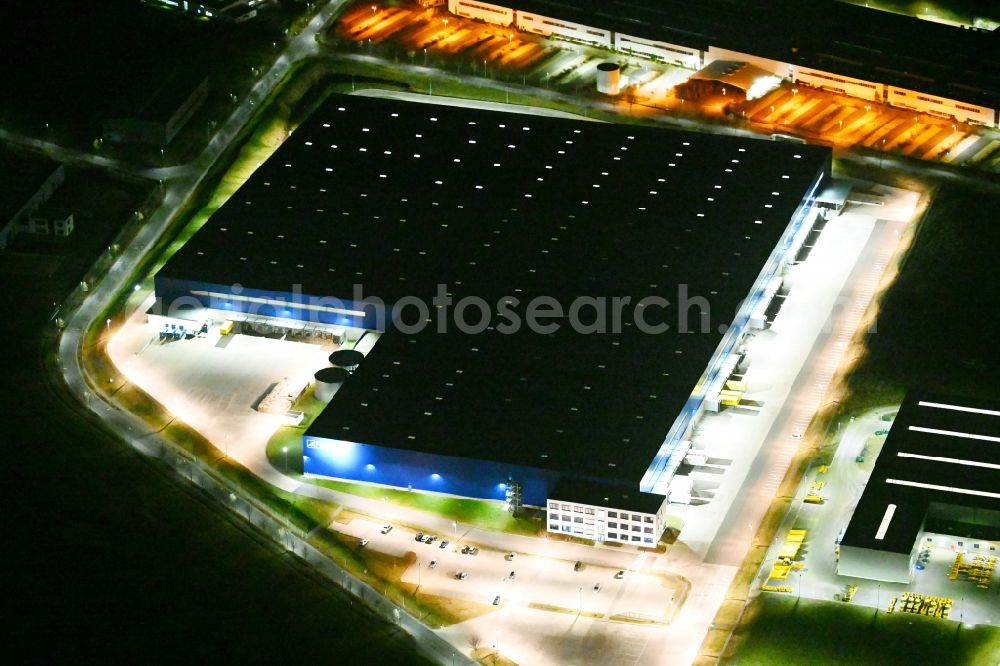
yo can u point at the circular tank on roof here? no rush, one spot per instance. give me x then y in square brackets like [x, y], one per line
[328, 380]
[346, 358]
[609, 78]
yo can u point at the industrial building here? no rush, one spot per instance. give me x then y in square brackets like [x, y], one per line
[158, 119]
[937, 476]
[22, 205]
[434, 209]
[877, 56]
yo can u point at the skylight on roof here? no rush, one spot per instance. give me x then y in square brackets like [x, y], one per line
[959, 408]
[954, 433]
[947, 489]
[886, 519]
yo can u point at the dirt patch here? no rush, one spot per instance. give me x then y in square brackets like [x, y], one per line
[447, 610]
[628, 619]
[347, 515]
[491, 657]
[560, 609]
[682, 588]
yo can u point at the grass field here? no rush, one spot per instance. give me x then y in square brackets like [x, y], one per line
[934, 324]
[824, 633]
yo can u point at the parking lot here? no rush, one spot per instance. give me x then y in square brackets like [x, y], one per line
[849, 122]
[438, 38]
[538, 582]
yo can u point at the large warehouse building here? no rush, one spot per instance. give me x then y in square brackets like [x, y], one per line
[938, 474]
[658, 247]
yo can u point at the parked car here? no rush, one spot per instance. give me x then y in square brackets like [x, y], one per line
[578, 566]
[386, 529]
[433, 564]
[496, 600]
[419, 537]
[620, 574]
[432, 538]
[444, 544]
[512, 575]
[461, 575]
[363, 543]
[510, 556]
[597, 587]
[470, 550]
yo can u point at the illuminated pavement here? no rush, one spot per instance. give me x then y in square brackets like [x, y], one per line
[539, 579]
[790, 367]
[439, 39]
[213, 383]
[849, 122]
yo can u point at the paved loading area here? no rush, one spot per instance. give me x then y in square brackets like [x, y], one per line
[212, 383]
[848, 121]
[842, 485]
[749, 460]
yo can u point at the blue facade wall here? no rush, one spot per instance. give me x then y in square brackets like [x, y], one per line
[466, 477]
[286, 305]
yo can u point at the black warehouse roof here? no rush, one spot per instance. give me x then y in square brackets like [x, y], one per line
[399, 197]
[940, 450]
[827, 34]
